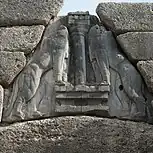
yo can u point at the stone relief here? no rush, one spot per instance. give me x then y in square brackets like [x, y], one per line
[61, 54]
[80, 95]
[78, 69]
[126, 99]
[29, 89]
[98, 55]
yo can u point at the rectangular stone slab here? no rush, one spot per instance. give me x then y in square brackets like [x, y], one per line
[20, 38]
[70, 88]
[124, 17]
[71, 106]
[82, 95]
[28, 12]
[80, 109]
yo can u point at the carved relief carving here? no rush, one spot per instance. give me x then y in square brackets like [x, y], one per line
[98, 55]
[78, 97]
[79, 69]
[61, 54]
[126, 99]
[30, 86]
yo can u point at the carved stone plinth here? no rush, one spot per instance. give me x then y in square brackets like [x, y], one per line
[81, 99]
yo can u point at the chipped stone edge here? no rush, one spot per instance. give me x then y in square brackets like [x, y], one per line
[1, 101]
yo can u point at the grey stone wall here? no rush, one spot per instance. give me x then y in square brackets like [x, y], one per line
[32, 40]
[22, 24]
[77, 135]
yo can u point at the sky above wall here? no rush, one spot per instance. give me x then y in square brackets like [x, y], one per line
[89, 5]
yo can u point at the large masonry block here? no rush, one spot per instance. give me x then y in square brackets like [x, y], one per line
[137, 45]
[20, 38]
[124, 17]
[28, 12]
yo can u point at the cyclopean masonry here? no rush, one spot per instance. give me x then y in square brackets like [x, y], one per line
[60, 76]
[78, 69]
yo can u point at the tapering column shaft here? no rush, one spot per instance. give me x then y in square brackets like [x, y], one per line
[79, 54]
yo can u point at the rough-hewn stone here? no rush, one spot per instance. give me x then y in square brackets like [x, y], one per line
[137, 45]
[146, 69]
[20, 39]
[1, 101]
[10, 65]
[77, 135]
[25, 12]
[123, 17]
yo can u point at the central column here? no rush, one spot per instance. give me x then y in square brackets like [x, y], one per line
[78, 38]
[78, 25]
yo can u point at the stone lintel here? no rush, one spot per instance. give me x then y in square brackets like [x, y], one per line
[82, 95]
[83, 88]
[80, 109]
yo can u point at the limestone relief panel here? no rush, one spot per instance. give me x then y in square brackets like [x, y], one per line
[33, 92]
[78, 68]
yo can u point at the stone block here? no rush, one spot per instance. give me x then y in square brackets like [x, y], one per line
[137, 45]
[124, 17]
[20, 39]
[25, 12]
[77, 135]
[146, 70]
[10, 66]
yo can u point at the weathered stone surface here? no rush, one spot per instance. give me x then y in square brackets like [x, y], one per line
[33, 90]
[10, 65]
[20, 39]
[77, 135]
[123, 17]
[1, 101]
[34, 96]
[100, 64]
[126, 99]
[137, 45]
[98, 53]
[26, 12]
[146, 69]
